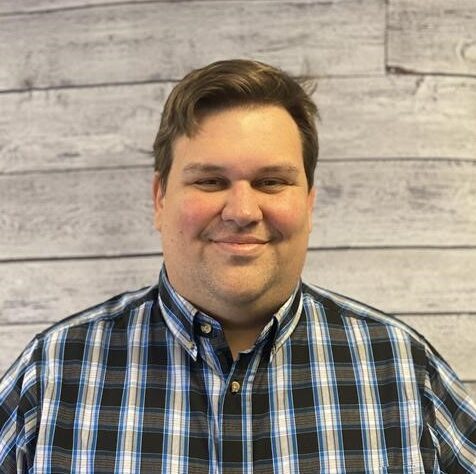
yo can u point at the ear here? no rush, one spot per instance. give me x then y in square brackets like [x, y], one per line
[310, 205]
[158, 197]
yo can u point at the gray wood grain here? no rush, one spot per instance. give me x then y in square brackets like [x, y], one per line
[398, 116]
[162, 41]
[29, 6]
[105, 212]
[396, 281]
[37, 292]
[452, 335]
[368, 203]
[80, 128]
[399, 280]
[387, 117]
[432, 37]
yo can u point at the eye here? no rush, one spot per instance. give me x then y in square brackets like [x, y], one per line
[210, 184]
[271, 184]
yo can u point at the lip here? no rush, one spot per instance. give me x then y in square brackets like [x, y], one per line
[240, 240]
[240, 245]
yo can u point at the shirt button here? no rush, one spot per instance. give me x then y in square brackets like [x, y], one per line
[206, 328]
[235, 386]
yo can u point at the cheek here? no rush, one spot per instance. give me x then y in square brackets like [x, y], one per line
[289, 217]
[194, 214]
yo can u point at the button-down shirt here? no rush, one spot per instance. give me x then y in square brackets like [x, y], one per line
[146, 383]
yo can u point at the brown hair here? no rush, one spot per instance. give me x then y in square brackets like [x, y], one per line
[232, 83]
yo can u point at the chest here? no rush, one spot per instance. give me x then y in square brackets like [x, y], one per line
[284, 416]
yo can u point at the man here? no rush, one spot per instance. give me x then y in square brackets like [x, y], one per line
[231, 364]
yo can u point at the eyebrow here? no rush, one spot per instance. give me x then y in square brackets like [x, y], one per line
[208, 168]
[202, 167]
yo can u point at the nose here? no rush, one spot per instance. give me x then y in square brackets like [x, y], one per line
[242, 205]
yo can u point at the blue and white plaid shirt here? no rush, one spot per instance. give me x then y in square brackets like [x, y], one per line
[146, 383]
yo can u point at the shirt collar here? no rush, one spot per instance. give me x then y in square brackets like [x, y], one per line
[179, 315]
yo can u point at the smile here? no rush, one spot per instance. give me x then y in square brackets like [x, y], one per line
[242, 247]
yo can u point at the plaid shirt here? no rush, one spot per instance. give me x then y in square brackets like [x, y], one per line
[146, 383]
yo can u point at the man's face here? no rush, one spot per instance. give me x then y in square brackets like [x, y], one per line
[236, 215]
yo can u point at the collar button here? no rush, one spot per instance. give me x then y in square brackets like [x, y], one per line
[206, 328]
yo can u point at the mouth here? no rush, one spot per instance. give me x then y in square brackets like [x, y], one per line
[241, 245]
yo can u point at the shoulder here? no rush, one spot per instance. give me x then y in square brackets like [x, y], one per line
[117, 311]
[91, 325]
[348, 325]
[69, 339]
[343, 311]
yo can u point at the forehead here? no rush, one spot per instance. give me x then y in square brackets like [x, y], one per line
[242, 134]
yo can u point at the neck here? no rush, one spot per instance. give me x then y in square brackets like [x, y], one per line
[241, 338]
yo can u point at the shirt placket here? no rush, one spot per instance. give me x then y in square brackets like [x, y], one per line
[232, 405]
[235, 427]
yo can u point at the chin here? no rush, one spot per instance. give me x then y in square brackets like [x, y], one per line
[239, 293]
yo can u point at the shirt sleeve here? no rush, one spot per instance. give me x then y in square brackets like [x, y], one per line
[452, 415]
[19, 411]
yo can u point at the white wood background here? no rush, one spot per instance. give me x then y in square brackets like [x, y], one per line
[82, 84]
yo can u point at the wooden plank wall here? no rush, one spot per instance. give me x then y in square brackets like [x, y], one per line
[82, 83]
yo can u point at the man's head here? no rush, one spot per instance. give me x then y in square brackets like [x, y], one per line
[233, 195]
[227, 84]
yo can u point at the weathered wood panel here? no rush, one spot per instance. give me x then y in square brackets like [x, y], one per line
[79, 128]
[28, 6]
[432, 37]
[109, 212]
[395, 203]
[452, 335]
[48, 291]
[162, 41]
[397, 281]
[396, 116]
[361, 118]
